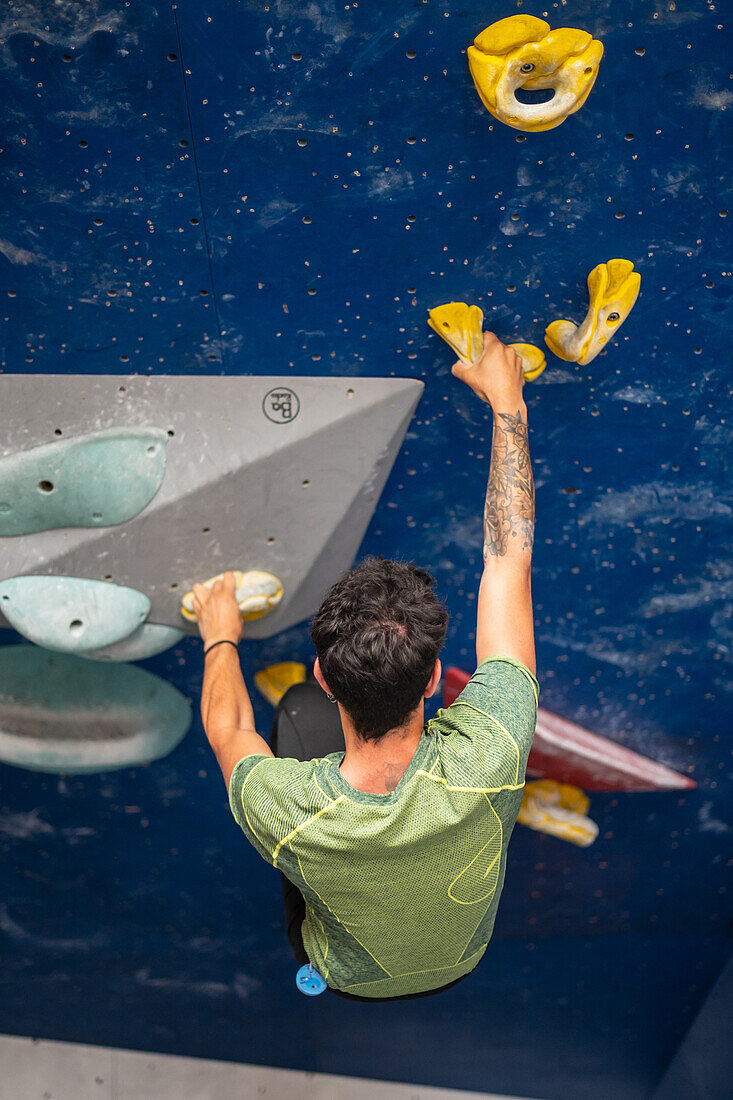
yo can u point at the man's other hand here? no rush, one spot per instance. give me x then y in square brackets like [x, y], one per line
[217, 612]
[497, 378]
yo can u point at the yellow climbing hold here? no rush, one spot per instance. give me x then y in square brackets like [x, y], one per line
[613, 288]
[533, 360]
[274, 681]
[461, 327]
[256, 592]
[523, 52]
[558, 809]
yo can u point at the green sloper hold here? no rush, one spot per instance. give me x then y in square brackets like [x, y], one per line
[148, 640]
[95, 480]
[71, 614]
[61, 714]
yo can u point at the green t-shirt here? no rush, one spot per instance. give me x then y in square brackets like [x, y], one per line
[401, 889]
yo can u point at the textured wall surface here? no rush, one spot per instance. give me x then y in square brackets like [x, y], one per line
[254, 188]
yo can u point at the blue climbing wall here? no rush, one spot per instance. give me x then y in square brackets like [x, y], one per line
[254, 188]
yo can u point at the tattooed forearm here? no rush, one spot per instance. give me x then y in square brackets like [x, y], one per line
[509, 510]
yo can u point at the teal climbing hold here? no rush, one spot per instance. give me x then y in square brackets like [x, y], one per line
[59, 713]
[96, 480]
[71, 614]
[148, 640]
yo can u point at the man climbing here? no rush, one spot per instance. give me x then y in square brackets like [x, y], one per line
[391, 834]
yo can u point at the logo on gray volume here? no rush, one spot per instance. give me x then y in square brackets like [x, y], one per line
[281, 405]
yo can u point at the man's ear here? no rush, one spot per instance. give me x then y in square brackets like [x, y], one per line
[434, 680]
[319, 676]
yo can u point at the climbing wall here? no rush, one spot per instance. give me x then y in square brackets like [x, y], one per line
[285, 189]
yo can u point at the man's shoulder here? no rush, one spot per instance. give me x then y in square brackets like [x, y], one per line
[284, 774]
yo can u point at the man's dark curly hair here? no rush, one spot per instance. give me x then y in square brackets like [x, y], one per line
[378, 634]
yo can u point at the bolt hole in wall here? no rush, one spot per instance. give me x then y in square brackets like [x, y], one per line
[76, 626]
[45, 486]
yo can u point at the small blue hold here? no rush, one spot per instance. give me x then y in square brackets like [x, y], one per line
[309, 981]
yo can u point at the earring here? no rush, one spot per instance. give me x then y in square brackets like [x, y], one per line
[331, 698]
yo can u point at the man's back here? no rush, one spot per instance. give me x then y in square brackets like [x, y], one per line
[401, 889]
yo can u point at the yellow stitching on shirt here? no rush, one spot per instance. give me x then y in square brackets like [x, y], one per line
[472, 790]
[415, 973]
[498, 850]
[325, 953]
[304, 825]
[337, 917]
[485, 911]
[320, 788]
[499, 724]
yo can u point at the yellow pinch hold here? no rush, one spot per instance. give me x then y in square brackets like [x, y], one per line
[522, 52]
[613, 288]
[533, 360]
[256, 592]
[558, 809]
[272, 682]
[461, 326]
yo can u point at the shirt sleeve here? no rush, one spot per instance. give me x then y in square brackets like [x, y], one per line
[271, 797]
[247, 804]
[496, 713]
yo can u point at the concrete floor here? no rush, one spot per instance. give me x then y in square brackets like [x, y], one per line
[36, 1069]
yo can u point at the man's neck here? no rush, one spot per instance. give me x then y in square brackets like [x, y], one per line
[378, 766]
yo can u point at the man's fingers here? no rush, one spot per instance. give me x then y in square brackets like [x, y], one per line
[229, 582]
[199, 592]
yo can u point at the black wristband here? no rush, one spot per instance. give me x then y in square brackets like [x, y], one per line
[224, 641]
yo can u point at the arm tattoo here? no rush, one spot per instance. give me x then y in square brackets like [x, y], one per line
[509, 510]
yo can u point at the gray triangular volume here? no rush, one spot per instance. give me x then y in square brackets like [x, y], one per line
[280, 474]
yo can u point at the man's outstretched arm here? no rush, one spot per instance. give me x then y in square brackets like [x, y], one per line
[505, 624]
[226, 710]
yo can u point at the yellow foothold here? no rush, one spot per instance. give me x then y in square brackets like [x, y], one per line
[521, 52]
[613, 288]
[558, 809]
[533, 360]
[461, 326]
[256, 592]
[274, 681]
